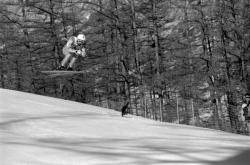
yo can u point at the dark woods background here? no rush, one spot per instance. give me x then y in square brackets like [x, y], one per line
[180, 61]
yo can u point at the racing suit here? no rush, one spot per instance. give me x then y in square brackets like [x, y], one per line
[71, 51]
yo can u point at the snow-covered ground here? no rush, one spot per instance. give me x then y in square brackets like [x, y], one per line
[38, 130]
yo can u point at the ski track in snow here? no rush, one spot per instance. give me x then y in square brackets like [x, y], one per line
[39, 130]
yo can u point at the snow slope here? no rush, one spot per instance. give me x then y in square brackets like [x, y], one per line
[39, 130]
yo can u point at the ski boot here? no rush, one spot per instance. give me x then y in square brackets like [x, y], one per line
[69, 69]
[61, 68]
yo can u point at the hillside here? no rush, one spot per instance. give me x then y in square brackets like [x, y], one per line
[39, 130]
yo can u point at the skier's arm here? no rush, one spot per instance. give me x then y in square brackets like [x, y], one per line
[67, 47]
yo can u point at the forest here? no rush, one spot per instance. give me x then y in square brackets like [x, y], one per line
[177, 61]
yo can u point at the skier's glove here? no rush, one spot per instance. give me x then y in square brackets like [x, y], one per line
[83, 53]
[79, 52]
[244, 105]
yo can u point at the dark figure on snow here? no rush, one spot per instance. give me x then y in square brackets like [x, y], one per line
[246, 108]
[244, 115]
[124, 109]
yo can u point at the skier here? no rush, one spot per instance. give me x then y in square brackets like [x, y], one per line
[73, 48]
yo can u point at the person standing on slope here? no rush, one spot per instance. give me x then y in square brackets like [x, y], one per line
[124, 109]
[74, 47]
[245, 112]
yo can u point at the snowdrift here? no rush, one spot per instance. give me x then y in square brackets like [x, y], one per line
[39, 130]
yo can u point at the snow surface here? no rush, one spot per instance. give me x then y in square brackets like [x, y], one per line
[39, 130]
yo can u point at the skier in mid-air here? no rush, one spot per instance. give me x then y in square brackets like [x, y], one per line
[74, 48]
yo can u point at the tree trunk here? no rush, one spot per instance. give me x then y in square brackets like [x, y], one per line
[135, 40]
[155, 37]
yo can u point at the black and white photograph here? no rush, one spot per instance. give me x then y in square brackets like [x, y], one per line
[124, 82]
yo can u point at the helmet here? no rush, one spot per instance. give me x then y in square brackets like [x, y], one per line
[81, 37]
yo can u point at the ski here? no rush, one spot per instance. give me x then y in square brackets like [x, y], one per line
[55, 73]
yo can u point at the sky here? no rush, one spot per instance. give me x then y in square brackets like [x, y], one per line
[39, 130]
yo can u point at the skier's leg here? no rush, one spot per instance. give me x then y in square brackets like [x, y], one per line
[66, 59]
[72, 62]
